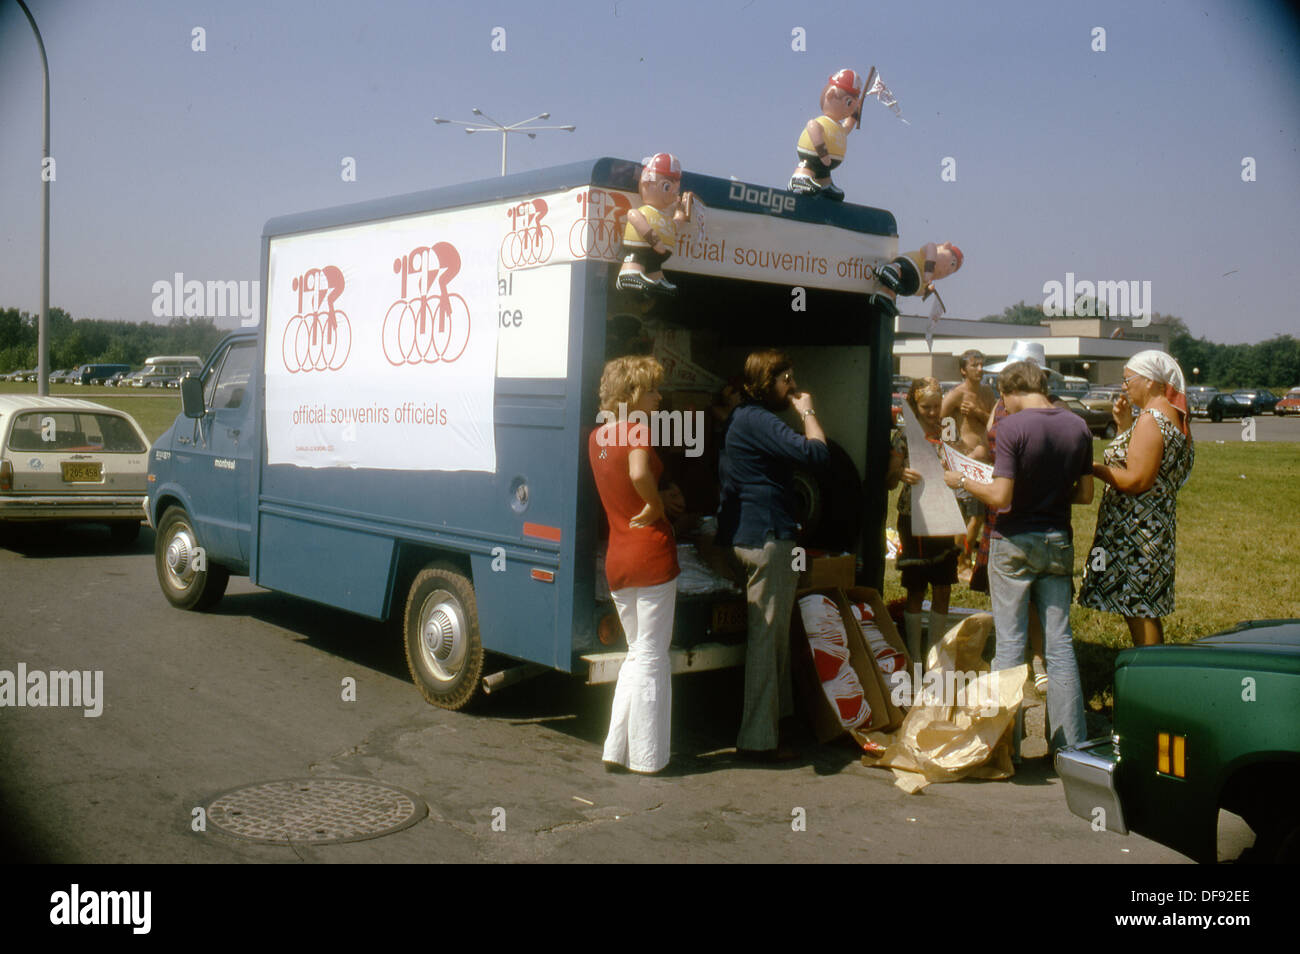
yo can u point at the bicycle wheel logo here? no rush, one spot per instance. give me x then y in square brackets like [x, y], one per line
[529, 241]
[319, 336]
[599, 231]
[433, 324]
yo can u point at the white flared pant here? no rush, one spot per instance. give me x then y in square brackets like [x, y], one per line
[640, 723]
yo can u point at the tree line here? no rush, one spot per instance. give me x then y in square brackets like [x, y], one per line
[77, 341]
[1274, 363]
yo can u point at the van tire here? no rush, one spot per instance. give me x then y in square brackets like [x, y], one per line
[809, 498]
[830, 503]
[440, 631]
[185, 587]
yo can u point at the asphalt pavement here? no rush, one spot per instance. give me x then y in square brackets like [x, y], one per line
[1268, 428]
[194, 705]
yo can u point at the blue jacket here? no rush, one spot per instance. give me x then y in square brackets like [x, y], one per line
[756, 476]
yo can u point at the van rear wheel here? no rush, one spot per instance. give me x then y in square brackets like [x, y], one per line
[443, 650]
[187, 579]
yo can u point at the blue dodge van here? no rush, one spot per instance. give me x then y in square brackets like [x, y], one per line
[405, 433]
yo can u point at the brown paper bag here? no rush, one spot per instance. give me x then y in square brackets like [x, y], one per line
[962, 715]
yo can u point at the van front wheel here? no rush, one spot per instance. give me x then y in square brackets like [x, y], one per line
[187, 579]
[443, 650]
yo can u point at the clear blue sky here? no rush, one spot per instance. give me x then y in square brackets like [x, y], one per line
[1117, 165]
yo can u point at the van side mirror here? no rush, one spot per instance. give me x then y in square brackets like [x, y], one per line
[192, 396]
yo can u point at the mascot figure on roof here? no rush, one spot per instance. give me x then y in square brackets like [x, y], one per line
[822, 142]
[916, 272]
[651, 233]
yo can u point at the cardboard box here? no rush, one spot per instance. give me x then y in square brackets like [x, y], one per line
[885, 623]
[828, 571]
[825, 720]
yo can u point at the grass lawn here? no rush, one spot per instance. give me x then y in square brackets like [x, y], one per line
[1238, 539]
[153, 408]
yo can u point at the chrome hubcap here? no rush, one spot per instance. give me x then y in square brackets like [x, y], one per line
[443, 635]
[179, 557]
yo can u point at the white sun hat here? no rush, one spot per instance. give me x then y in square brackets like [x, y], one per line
[1022, 350]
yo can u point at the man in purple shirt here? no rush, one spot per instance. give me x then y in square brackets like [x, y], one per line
[1043, 465]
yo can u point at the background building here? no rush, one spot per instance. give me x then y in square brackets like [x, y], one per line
[1092, 348]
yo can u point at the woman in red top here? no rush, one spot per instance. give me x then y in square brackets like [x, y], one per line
[641, 564]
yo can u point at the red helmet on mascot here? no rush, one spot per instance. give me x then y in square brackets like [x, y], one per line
[846, 81]
[662, 165]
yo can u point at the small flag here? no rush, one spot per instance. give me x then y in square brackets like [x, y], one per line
[876, 87]
[936, 312]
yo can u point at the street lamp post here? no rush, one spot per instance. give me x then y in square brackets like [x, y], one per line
[491, 125]
[43, 322]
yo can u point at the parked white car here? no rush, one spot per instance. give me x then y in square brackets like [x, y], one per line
[72, 460]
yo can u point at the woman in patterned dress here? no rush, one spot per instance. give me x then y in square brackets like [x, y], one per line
[1130, 568]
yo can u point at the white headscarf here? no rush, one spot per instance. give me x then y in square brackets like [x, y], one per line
[1160, 367]
[1157, 366]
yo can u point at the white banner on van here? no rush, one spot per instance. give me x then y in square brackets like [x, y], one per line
[588, 223]
[382, 344]
[765, 248]
[533, 322]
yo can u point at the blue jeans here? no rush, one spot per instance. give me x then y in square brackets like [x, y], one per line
[1039, 567]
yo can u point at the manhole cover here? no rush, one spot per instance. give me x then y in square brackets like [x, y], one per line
[315, 811]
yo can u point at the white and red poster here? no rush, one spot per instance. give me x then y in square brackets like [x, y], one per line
[382, 344]
[971, 468]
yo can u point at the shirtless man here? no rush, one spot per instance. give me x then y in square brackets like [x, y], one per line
[970, 405]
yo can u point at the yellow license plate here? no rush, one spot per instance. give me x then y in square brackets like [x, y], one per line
[730, 617]
[82, 473]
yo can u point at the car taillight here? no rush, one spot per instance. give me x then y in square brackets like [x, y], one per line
[6, 475]
[1171, 754]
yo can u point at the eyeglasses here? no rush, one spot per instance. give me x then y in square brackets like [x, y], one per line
[1131, 377]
